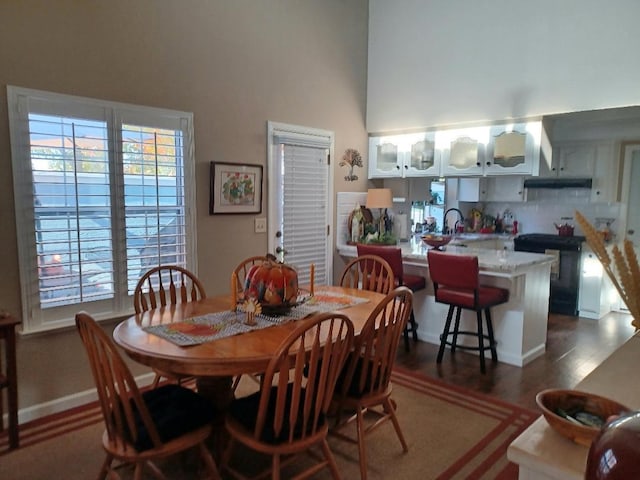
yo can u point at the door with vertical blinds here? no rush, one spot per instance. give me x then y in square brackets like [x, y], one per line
[300, 196]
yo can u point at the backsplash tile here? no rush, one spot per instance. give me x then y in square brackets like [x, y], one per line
[546, 206]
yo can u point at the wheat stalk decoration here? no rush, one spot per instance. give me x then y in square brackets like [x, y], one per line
[623, 270]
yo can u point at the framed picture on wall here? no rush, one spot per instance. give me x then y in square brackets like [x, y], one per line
[235, 188]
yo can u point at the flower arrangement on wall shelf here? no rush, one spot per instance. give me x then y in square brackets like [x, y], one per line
[352, 158]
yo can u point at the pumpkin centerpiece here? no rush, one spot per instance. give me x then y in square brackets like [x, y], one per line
[273, 284]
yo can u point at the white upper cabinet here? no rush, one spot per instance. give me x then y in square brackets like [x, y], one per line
[594, 160]
[422, 159]
[403, 155]
[491, 189]
[572, 160]
[463, 150]
[503, 189]
[506, 149]
[514, 149]
[385, 157]
[605, 173]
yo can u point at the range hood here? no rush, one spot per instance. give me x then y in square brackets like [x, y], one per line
[557, 183]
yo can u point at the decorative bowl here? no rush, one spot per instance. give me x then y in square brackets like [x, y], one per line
[436, 240]
[561, 407]
[281, 309]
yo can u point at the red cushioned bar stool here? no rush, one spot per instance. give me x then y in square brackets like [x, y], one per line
[456, 282]
[393, 256]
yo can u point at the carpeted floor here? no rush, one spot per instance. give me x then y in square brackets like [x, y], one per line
[452, 434]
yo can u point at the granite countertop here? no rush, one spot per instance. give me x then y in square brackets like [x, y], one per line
[502, 261]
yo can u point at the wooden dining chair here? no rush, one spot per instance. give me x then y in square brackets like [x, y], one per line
[364, 385]
[141, 428]
[9, 377]
[241, 271]
[243, 268]
[288, 415]
[368, 272]
[166, 285]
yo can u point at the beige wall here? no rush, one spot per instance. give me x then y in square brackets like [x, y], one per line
[234, 64]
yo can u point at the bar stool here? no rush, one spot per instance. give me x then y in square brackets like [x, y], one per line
[456, 282]
[9, 377]
[393, 256]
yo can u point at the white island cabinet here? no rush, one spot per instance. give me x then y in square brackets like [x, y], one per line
[520, 325]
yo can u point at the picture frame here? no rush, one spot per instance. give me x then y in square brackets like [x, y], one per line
[235, 188]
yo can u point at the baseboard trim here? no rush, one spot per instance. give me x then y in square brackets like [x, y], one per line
[504, 357]
[69, 401]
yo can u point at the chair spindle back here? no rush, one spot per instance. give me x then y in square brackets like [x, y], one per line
[368, 272]
[305, 369]
[166, 285]
[117, 390]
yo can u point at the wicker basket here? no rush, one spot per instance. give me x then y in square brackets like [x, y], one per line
[549, 401]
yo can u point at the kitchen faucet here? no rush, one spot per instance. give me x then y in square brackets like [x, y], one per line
[460, 221]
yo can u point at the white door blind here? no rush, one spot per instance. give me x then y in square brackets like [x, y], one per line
[305, 221]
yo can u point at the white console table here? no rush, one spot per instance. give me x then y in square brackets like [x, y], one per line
[543, 454]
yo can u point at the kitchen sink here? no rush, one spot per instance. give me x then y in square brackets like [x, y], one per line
[469, 236]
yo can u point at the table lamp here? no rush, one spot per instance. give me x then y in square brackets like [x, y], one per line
[381, 199]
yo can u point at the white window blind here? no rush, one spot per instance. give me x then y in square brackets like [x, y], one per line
[72, 208]
[305, 187]
[100, 199]
[153, 199]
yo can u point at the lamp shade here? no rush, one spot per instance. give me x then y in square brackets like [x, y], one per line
[379, 198]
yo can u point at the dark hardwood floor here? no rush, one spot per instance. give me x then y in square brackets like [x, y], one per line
[575, 346]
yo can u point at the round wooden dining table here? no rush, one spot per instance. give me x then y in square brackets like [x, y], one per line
[214, 363]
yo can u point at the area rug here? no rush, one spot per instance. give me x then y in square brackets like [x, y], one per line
[452, 433]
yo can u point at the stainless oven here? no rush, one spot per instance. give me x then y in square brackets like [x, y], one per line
[565, 273]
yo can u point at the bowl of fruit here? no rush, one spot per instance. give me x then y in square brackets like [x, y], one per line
[436, 240]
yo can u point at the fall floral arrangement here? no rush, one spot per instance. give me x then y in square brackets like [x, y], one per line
[621, 267]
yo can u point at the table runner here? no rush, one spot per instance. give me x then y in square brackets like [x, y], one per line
[213, 326]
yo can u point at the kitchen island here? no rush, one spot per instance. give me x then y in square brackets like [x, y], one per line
[520, 325]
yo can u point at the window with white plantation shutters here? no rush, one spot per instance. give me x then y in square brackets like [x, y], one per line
[72, 209]
[100, 199]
